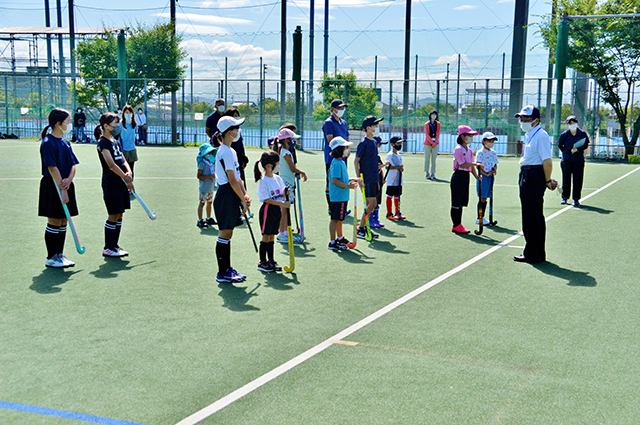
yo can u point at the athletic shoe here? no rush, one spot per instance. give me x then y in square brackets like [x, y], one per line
[576, 203]
[66, 261]
[564, 201]
[226, 277]
[342, 241]
[485, 222]
[399, 216]
[374, 235]
[276, 266]
[55, 262]
[239, 277]
[121, 251]
[336, 246]
[111, 253]
[282, 238]
[202, 224]
[391, 216]
[211, 221]
[433, 176]
[265, 266]
[428, 176]
[375, 224]
[361, 233]
[460, 229]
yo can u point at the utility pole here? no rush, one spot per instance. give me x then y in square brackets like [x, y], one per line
[547, 119]
[72, 47]
[174, 101]
[311, 32]
[326, 36]
[283, 58]
[60, 52]
[407, 72]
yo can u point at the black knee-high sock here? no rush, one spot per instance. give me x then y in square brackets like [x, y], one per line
[110, 234]
[50, 239]
[223, 254]
[264, 247]
[62, 233]
[456, 215]
[484, 209]
[270, 250]
[117, 234]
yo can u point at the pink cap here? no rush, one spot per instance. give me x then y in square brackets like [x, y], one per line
[465, 129]
[285, 133]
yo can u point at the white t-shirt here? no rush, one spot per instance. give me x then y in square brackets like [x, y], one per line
[285, 172]
[271, 188]
[141, 119]
[488, 158]
[394, 178]
[537, 147]
[229, 158]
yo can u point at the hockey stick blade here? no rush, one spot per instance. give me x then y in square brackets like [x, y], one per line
[152, 215]
[80, 248]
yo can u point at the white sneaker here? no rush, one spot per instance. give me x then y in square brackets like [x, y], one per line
[66, 261]
[111, 253]
[55, 262]
[485, 222]
[282, 238]
[121, 251]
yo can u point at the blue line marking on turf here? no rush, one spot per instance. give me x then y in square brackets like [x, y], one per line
[64, 414]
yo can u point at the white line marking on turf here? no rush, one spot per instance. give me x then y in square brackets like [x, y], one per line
[257, 383]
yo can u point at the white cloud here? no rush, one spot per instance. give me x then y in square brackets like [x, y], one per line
[200, 29]
[465, 7]
[217, 50]
[206, 19]
[365, 61]
[453, 60]
[506, 1]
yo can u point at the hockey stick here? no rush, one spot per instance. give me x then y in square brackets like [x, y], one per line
[292, 259]
[79, 248]
[251, 232]
[151, 215]
[300, 207]
[491, 222]
[295, 214]
[353, 244]
[480, 210]
[368, 237]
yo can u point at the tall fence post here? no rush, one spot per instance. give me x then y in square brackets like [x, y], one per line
[6, 103]
[182, 135]
[437, 95]
[390, 103]
[486, 105]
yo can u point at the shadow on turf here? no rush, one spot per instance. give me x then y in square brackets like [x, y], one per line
[574, 278]
[352, 256]
[595, 209]
[111, 266]
[280, 281]
[235, 298]
[49, 280]
[385, 246]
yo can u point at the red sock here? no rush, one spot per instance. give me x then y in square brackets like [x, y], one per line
[389, 208]
[396, 201]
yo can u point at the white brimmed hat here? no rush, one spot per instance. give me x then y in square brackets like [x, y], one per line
[487, 135]
[227, 122]
[338, 141]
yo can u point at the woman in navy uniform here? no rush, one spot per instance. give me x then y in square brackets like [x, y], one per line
[572, 143]
[535, 177]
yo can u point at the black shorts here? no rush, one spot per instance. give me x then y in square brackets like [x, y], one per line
[394, 190]
[269, 218]
[460, 188]
[49, 204]
[227, 207]
[371, 190]
[115, 195]
[338, 210]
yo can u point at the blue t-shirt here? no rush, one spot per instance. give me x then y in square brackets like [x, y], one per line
[57, 152]
[335, 128]
[338, 170]
[368, 153]
[128, 137]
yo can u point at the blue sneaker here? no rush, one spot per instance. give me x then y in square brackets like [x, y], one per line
[237, 276]
[226, 277]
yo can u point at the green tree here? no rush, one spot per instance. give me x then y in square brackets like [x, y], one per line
[361, 100]
[152, 54]
[606, 49]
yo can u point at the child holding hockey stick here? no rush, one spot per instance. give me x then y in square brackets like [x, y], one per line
[206, 177]
[58, 169]
[374, 220]
[394, 178]
[339, 185]
[487, 160]
[117, 180]
[366, 163]
[463, 164]
[271, 192]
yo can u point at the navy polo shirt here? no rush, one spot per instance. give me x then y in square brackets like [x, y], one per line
[566, 142]
[57, 152]
[368, 153]
[212, 121]
[335, 128]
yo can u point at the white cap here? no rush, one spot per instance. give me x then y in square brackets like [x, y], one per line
[338, 141]
[488, 136]
[225, 123]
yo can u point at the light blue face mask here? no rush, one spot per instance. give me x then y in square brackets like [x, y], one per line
[116, 130]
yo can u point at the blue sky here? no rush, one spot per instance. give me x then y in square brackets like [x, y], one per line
[245, 30]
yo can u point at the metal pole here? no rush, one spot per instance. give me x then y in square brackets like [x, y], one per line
[182, 136]
[504, 56]
[458, 90]
[40, 100]
[72, 47]
[375, 72]
[407, 72]
[539, 92]
[486, 105]
[60, 53]
[109, 95]
[192, 109]
[415, 95]
[326, 37]
[47, 18]
[335, 59]
[311, 57]
[283, 58]
[174, 100]
[145, 100]
[390, 102]
[437, 95]
[261, 99]
[225, 93]
[446, 102]
[6, 104]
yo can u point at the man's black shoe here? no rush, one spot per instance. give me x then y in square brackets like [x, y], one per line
[523, 259]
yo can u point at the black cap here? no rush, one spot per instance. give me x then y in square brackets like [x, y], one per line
[369, 121]
[378, 140]
[337, 103]
[397, 139]
[529, 111]
[571, 118]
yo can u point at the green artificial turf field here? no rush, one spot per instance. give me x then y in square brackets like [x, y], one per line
[153, 338]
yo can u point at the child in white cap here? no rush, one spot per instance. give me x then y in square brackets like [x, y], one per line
[487, 160]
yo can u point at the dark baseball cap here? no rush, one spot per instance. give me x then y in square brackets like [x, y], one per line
[370, 120]
[337, 103]
[571, 118]
[529, 111]
[378, 140]
[397, 139]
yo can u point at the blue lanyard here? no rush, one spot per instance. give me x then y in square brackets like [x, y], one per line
[539, 128]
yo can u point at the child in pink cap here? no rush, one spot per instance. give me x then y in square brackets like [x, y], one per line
[463, 164]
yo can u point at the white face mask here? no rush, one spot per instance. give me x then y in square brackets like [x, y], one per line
[376, 131]
[573, 127]
[221, 108]
[339, 112]
[276, 169]
[526, 126]
[235, 139]
[128, 116]
[433, 117]
[66, 131]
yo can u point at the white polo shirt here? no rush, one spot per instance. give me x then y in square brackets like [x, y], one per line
[229, 158]
[537, 147]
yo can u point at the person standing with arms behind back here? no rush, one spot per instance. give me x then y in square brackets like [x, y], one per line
[333, 126]
[536, 166]
[431, 141]
[141, 120]
[572, 143]
[211, 126]
[79, 121]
